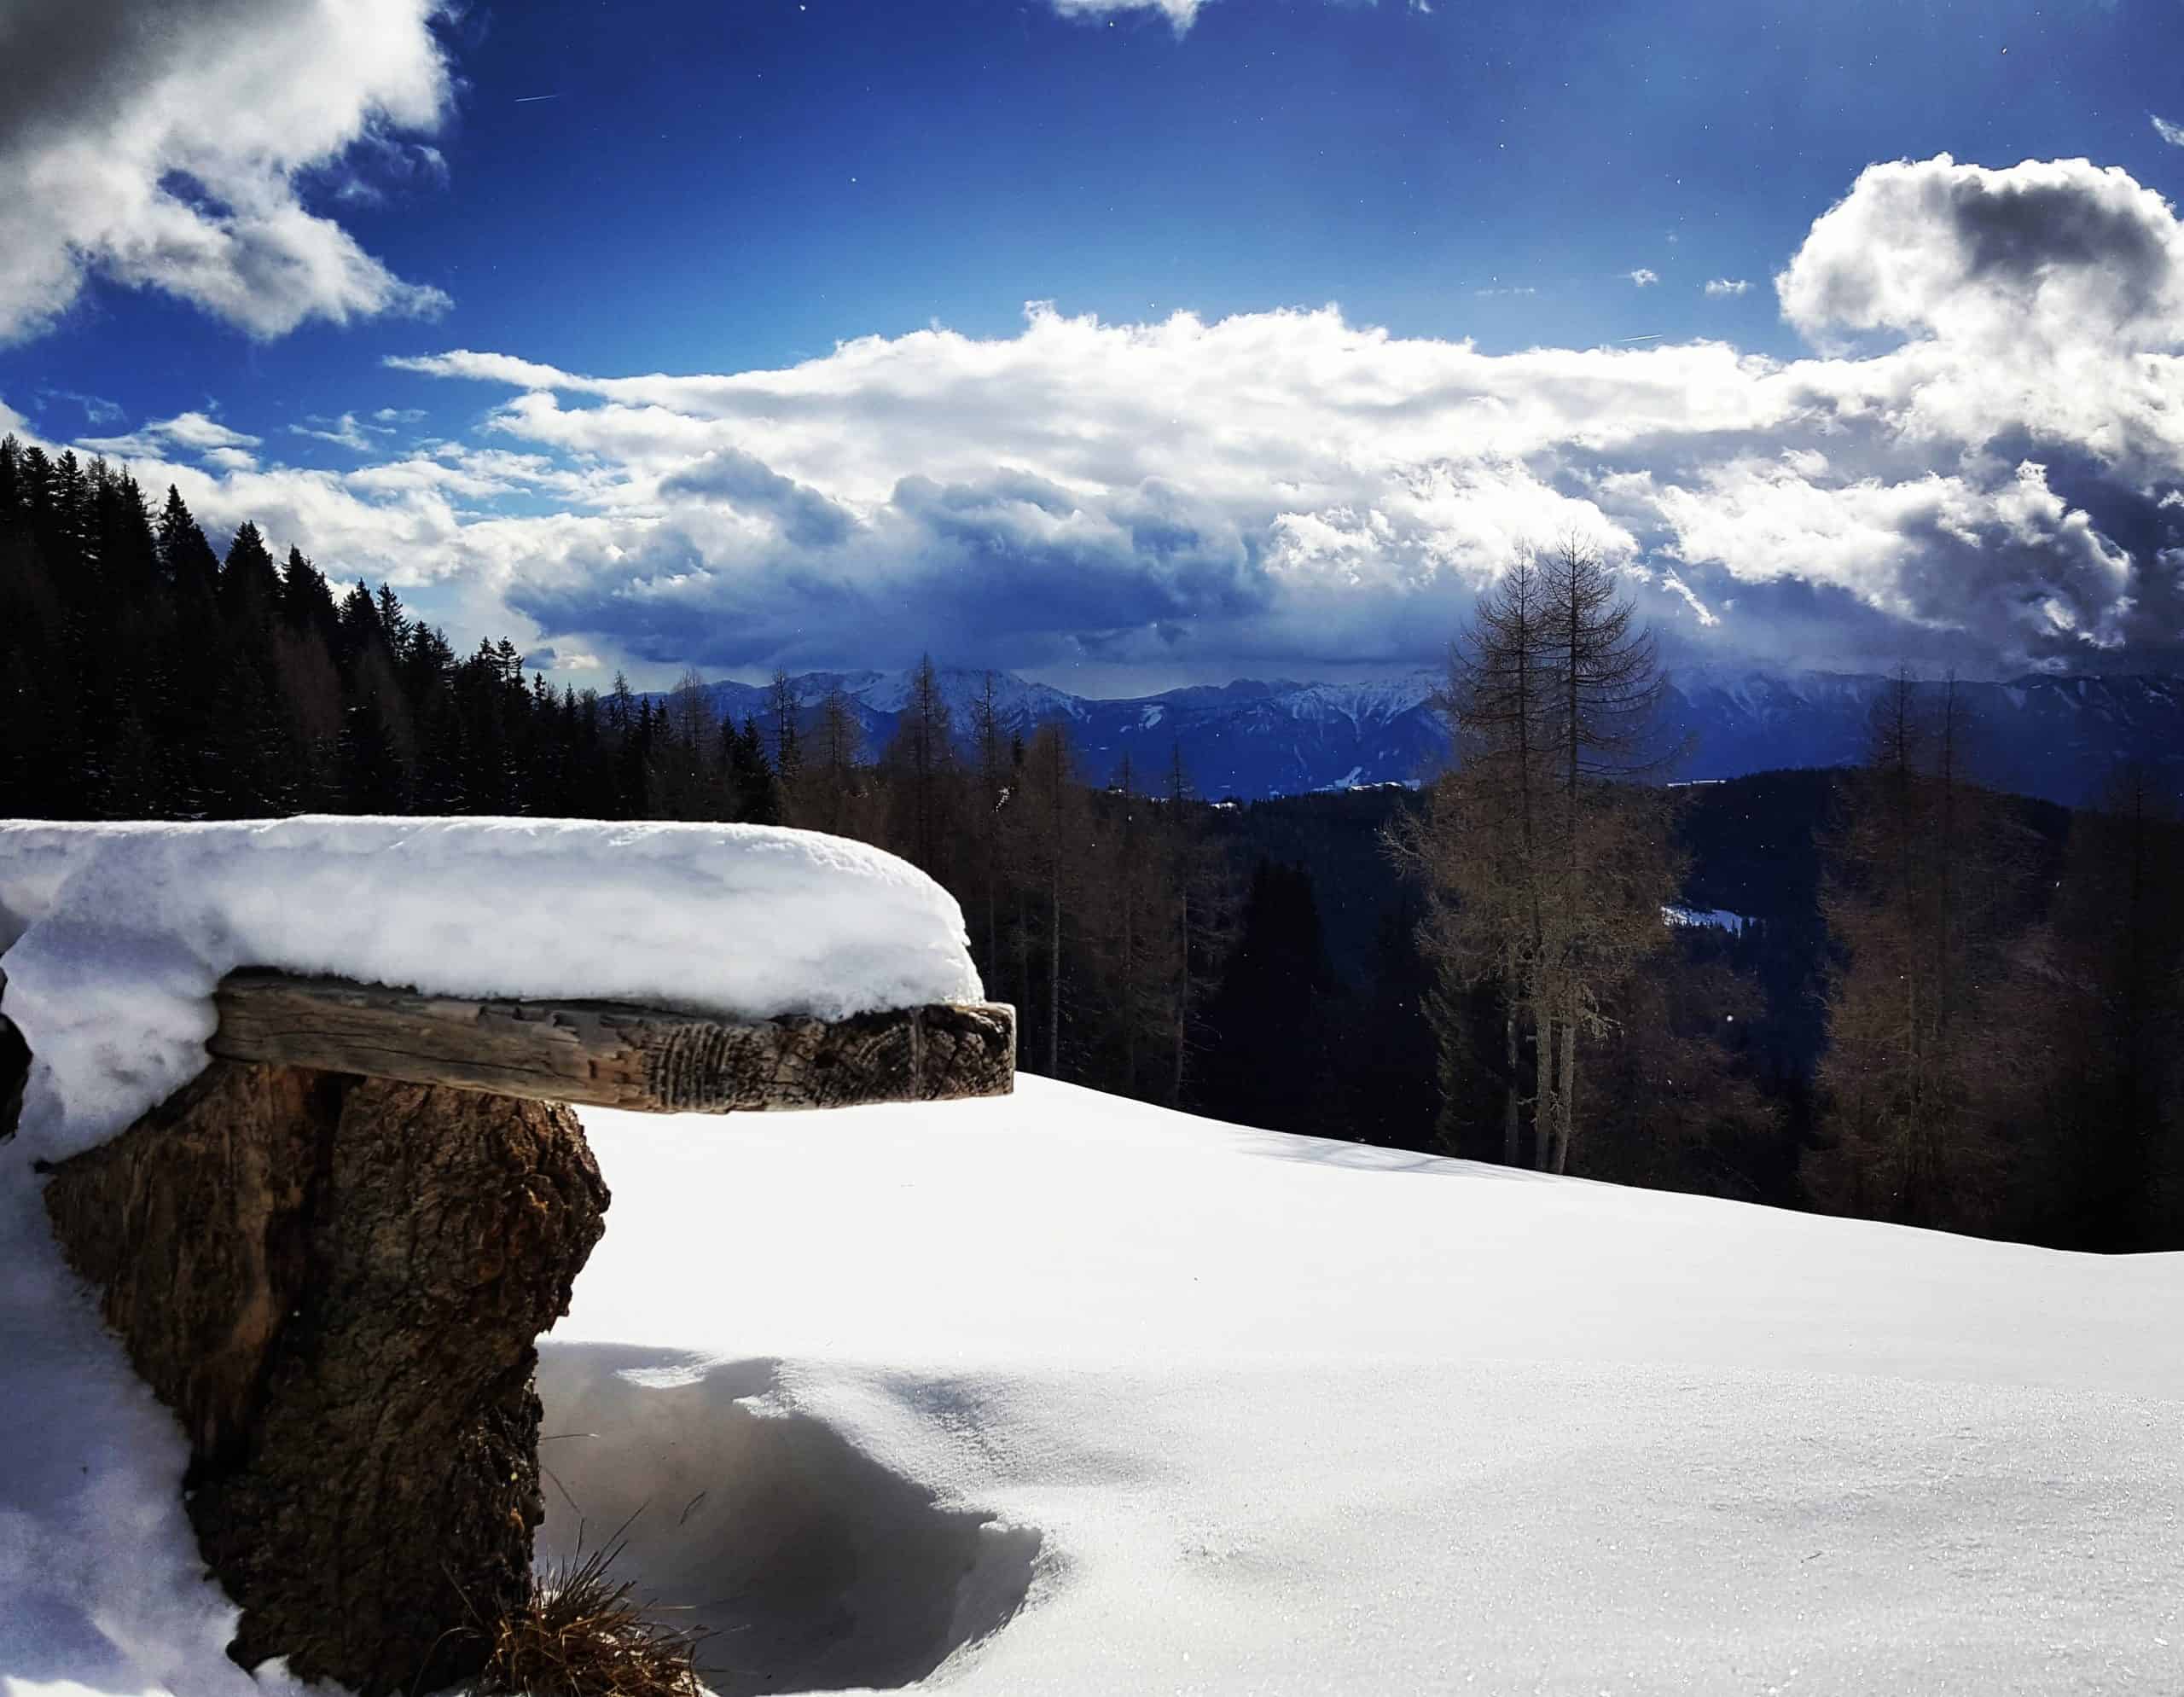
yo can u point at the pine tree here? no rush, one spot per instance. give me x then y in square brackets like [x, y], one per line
[250, 587]
[307, 601]
[185, 556]
[756, 797]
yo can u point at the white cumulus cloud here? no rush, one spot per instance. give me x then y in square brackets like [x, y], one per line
[1983, 463]
[2063, 252]
[1643, 276]
[162, 148]
[193, 433]
[1719, 285]
[1182, 13]
[343, 431]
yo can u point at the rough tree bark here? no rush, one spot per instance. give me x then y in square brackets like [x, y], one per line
[1543, 1029]
[612, 1054]
[335, 1283]
[1509, 1092]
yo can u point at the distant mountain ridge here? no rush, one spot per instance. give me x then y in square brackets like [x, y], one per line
[2054, 737]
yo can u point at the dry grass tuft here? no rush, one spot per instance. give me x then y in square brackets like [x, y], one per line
[583, 1634]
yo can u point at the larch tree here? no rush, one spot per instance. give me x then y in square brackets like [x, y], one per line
[1609, 833]
[1131, 888]
[1478, 847]
[1201, 897]
[1547, 858]
[1054, 824]
[2121, 911]
[837, 753]
[788, 745]
[990, 797]
[1915, 871]
[922, 767]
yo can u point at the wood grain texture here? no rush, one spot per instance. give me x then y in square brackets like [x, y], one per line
[612, 1054]
[335, 1283]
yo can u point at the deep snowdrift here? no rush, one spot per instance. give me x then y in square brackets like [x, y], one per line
[114, 935]
[1243, 1412]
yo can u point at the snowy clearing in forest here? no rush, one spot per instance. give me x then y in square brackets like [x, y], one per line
[1212, 1409]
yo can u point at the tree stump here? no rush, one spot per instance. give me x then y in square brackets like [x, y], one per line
[336, 1283]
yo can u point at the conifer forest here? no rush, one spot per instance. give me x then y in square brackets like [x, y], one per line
[1881, 990]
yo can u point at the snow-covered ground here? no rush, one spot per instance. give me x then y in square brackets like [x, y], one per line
[1207, 1409]
[1243, 1412]
[1063, 1394]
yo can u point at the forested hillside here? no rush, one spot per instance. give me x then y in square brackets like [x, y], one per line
[1909, 997]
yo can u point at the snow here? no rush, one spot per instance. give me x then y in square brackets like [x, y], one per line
[1241, 1412]
[1062, 1394]
[1375, 699]
[1018, 701]
[1720, 919]
[98, 1569]
[115, 935]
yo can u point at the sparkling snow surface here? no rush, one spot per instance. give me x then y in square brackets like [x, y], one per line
[1216, 1410]
[115, 935]
[1253, 1413]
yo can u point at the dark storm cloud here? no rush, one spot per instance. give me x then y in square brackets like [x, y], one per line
[805, 516]
[62, 63]
[164, 146]
[999, 571]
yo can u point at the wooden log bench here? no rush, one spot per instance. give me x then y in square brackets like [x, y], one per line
[332, 1254]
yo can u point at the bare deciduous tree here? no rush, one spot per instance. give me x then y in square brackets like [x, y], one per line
[1916, 868]
[1547, 863]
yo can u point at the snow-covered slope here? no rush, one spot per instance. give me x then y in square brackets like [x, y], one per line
[1214, 1410]
[1063, 1394]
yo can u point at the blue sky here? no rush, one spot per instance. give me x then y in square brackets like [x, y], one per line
[818, 225]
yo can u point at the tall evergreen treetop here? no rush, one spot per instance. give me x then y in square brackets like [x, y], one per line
[249, 583]
[185, 555]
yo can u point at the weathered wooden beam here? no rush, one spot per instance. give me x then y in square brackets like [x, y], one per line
[610, 1054]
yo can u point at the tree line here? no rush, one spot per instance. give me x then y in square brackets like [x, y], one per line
[2001, 1046]
[144, 674]
[1998, 1022]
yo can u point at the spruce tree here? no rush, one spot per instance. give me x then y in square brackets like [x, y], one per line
[250, 586]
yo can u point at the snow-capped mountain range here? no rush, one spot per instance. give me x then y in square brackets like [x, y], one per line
[2050, 736]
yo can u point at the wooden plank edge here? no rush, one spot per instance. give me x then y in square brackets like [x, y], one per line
[616, 1055]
